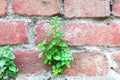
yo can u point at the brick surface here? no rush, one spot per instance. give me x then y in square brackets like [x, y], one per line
[78, 33]
[116, 58]
[27, 61]
[116, 8]
[36, 7]
[86, 8]
[13, 32]
[41, 30]
[89, 63]
[3, 7]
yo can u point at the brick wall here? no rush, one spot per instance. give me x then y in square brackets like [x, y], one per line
[92, 28]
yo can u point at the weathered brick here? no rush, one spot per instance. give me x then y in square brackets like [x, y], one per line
[116, 58]
[93, 34]
[89, 63]
[86, 8]
[13, 32]
[27, 61]
[78, 33]
[3, 7]
[36, 7]
[116, 8]
[41, 30]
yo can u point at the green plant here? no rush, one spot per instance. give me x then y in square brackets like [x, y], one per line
[55, 48]
[8, 68]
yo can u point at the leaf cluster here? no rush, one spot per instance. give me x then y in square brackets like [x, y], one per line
[55, 49]
[7, 66]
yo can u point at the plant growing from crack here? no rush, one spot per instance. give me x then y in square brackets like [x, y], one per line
[8, 68]
[55, 49]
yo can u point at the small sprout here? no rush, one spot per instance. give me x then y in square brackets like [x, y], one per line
[55, 50]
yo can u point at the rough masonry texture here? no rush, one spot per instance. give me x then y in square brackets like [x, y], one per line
[116, 58]
[3, 7]
[86, 8]
[13, 32]
[92, 30]
[89, 63]
[116, 8]
[27, 61]
[36, 7]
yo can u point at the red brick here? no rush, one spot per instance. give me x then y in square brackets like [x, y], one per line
[93, 34]
[86, 8]
[89, 63]
[116, 58]
[27, 61]
[36, 7]
[116, 8]
[3, 7]
[78, 33]
[13, 32]
[41, 30]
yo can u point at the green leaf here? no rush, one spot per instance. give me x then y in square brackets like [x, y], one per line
[57, 58]
[56, 70]
[45, 61]
[53, 67]
[2, 69]
[54, 41]
[54, 73]
[42, 45]
[58, 34]
[56, 18]
[44, 42]
[49, 56]
[11, 56]
[49, 34]
[63, 44]
[41, 54]
[52, 22]
[54, 50]
[5, 77]
[10, 62]
[5, 55]
[60, 26]
[8, 71]
[6, 48]
[49, 62]
[67, 63]
[1, 54]
[1, 76]
[13, 68]
[60, 70]
[14, 75]
[2, 62]
[53, 28]
[58, 65]
[49, 46]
